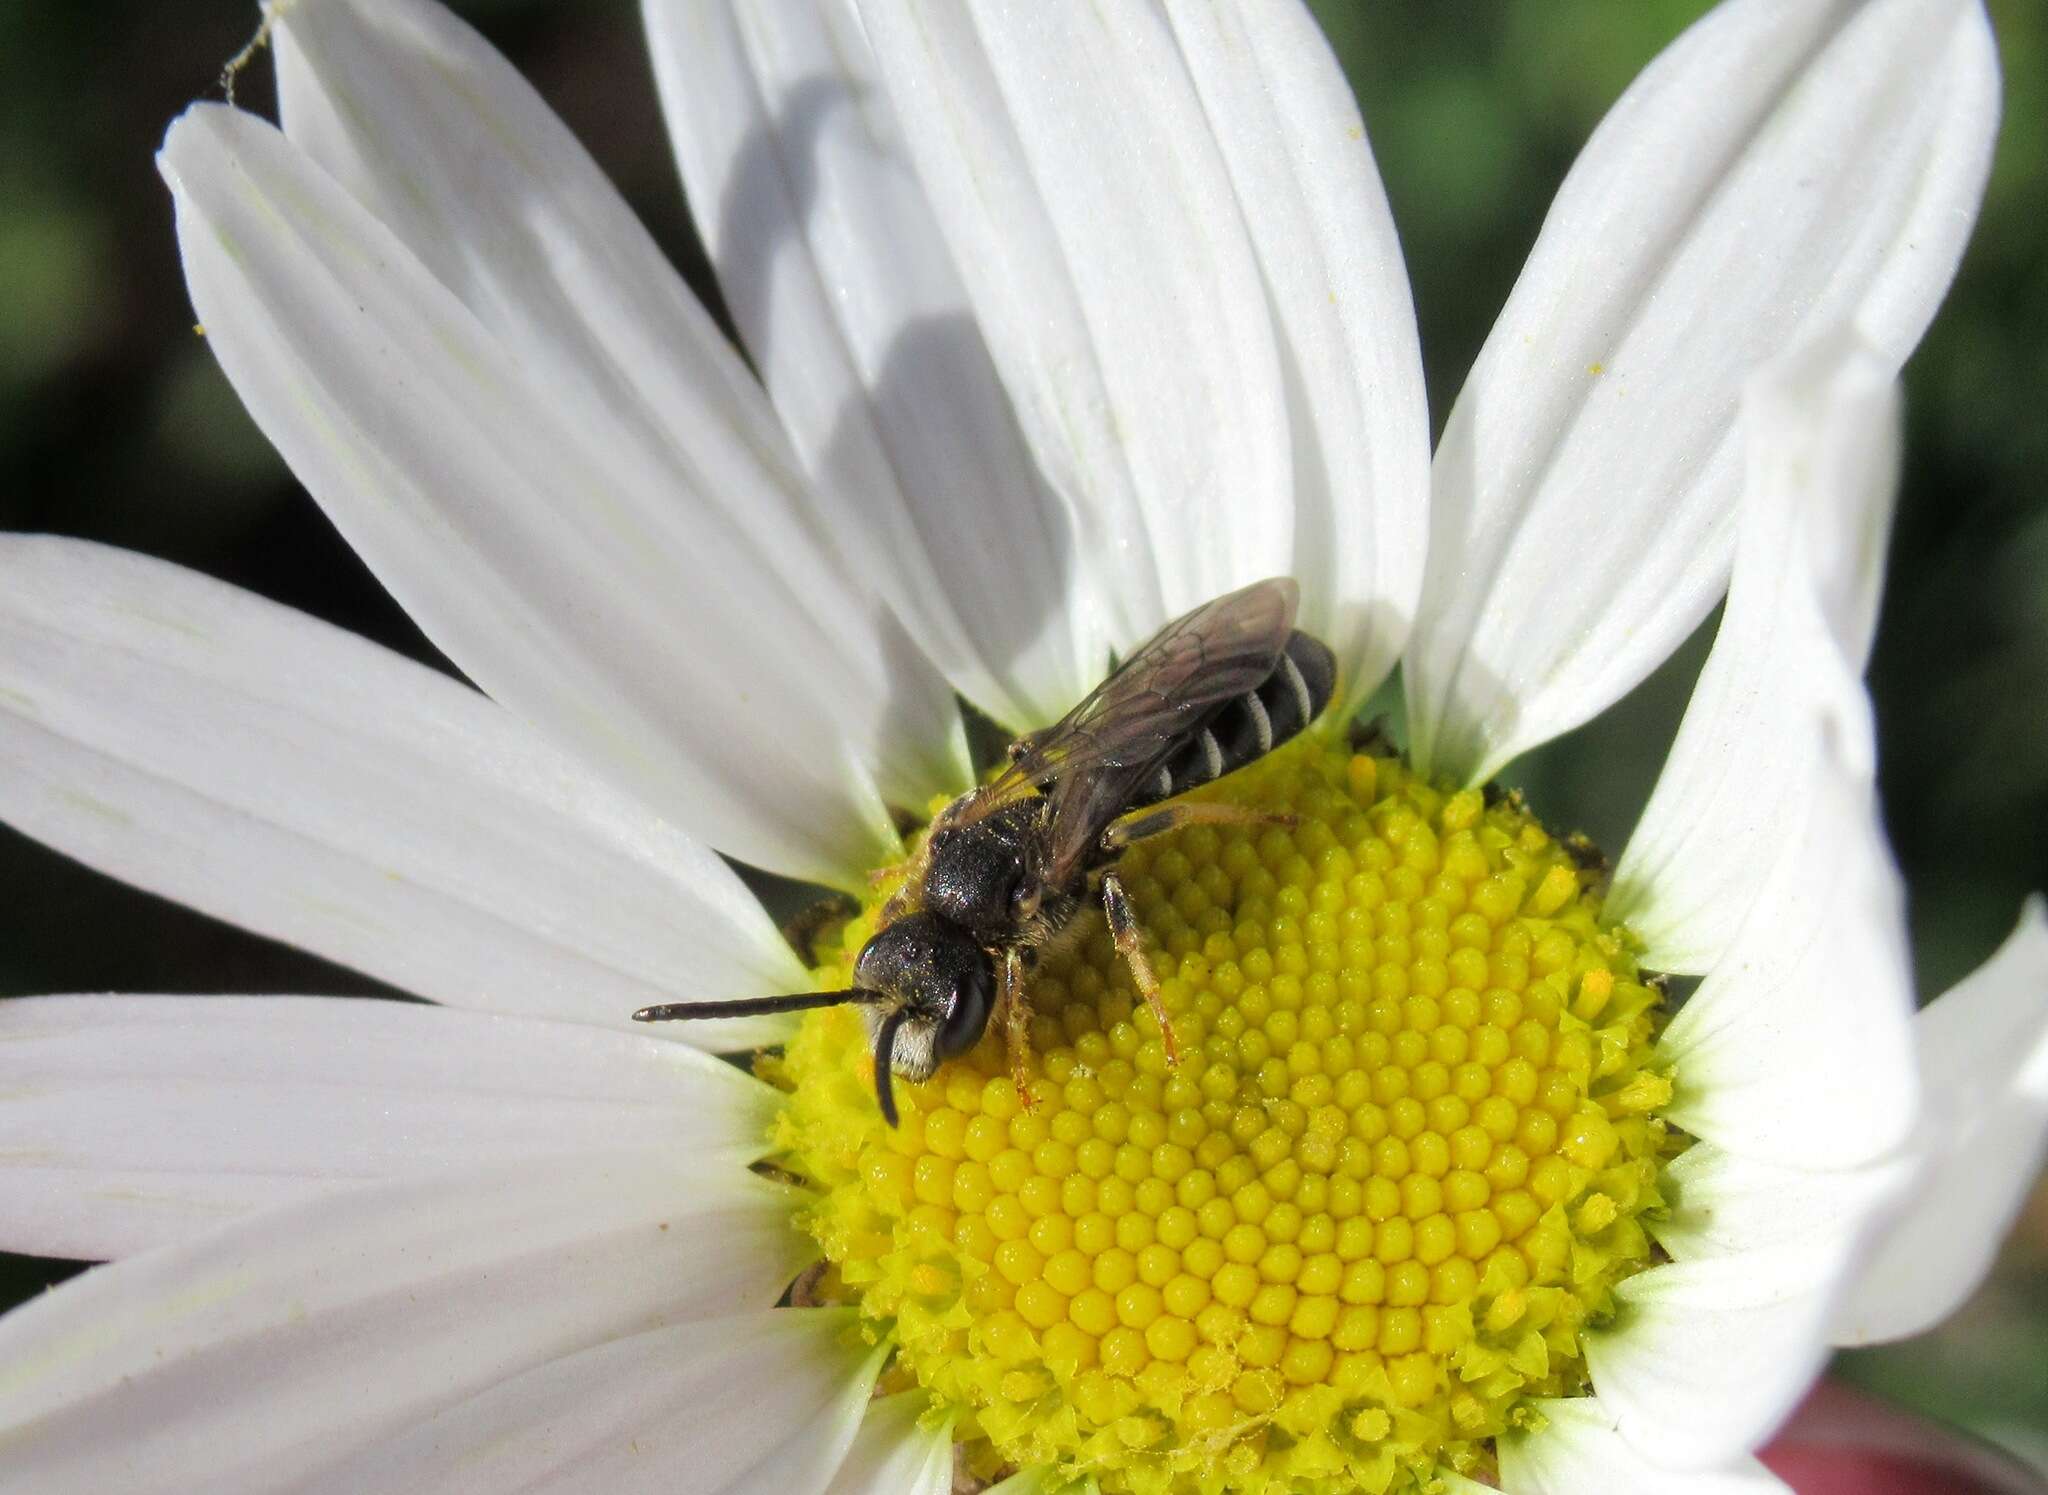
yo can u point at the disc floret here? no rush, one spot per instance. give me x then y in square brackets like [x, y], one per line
[1343, 1243]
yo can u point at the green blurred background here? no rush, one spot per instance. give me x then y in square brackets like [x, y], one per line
[117, 425]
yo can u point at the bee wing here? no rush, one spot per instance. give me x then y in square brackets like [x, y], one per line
[1092, 763]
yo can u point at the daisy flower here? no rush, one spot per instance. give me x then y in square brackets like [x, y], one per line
[1062, 320]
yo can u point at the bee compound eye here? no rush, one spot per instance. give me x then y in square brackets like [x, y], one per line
[967, 1012]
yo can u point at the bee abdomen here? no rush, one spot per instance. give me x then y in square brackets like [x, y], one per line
[1256, 722]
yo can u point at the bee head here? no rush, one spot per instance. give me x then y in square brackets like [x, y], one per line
[924, 987]
[940, 987]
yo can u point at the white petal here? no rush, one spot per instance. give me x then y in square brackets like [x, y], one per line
[1821, 434]
[1984, 1068]
[442, 140]
[1351, 362]
[892, 1455]
[603, 597]
[1797, 1047]
[1707, 1356]
[247, 1358]
[834, 271]
[1090, 213]
[764, 1404]
[282, 774]
[1579, 1453]
[1726, 1205]
[1784, 167]
[128, 1122]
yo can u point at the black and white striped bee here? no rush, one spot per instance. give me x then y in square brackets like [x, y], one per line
[1008, 867]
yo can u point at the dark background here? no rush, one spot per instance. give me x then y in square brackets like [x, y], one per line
[116, 424]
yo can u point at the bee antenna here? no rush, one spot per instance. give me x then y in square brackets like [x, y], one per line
[885, 1055]
[755, 1006]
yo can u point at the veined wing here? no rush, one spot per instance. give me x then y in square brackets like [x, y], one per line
[1092, 763]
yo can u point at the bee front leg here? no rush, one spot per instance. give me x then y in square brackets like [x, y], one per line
[1130, 943]
[1150, 823]
[1016, 1006]
[912, 872]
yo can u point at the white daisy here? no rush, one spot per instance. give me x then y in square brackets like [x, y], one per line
[1071, 318]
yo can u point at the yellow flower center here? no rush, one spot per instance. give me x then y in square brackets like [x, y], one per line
[1396, 1173]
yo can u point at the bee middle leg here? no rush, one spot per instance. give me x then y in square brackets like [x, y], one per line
[1152, 823]
[1130, 943]
[1016, 1005]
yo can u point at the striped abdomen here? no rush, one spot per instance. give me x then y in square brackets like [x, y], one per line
[1254, 723]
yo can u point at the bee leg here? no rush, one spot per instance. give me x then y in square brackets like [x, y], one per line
[1130, 943]
[894, 909]
[1204, 812]
[913, 870]
[1369, 737]
[1017, 1023]
[804, 928]
[913, 879]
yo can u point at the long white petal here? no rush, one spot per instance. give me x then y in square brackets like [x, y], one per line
[1351, 362]
[760, 1404]
[1578, 1452]
[271, 770]
[1727, 1205]
[1984, 1069]
[835, 272]
[1784, 167]
[606, 598]
[128, 1122]
[250, 1357]
[442, 140]
[893, 1455]
[1707, 1356]
[1798, 1048]
[1091, 215]
[1821, 434]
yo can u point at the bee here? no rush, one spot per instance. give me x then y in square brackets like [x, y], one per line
[1008, 868]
